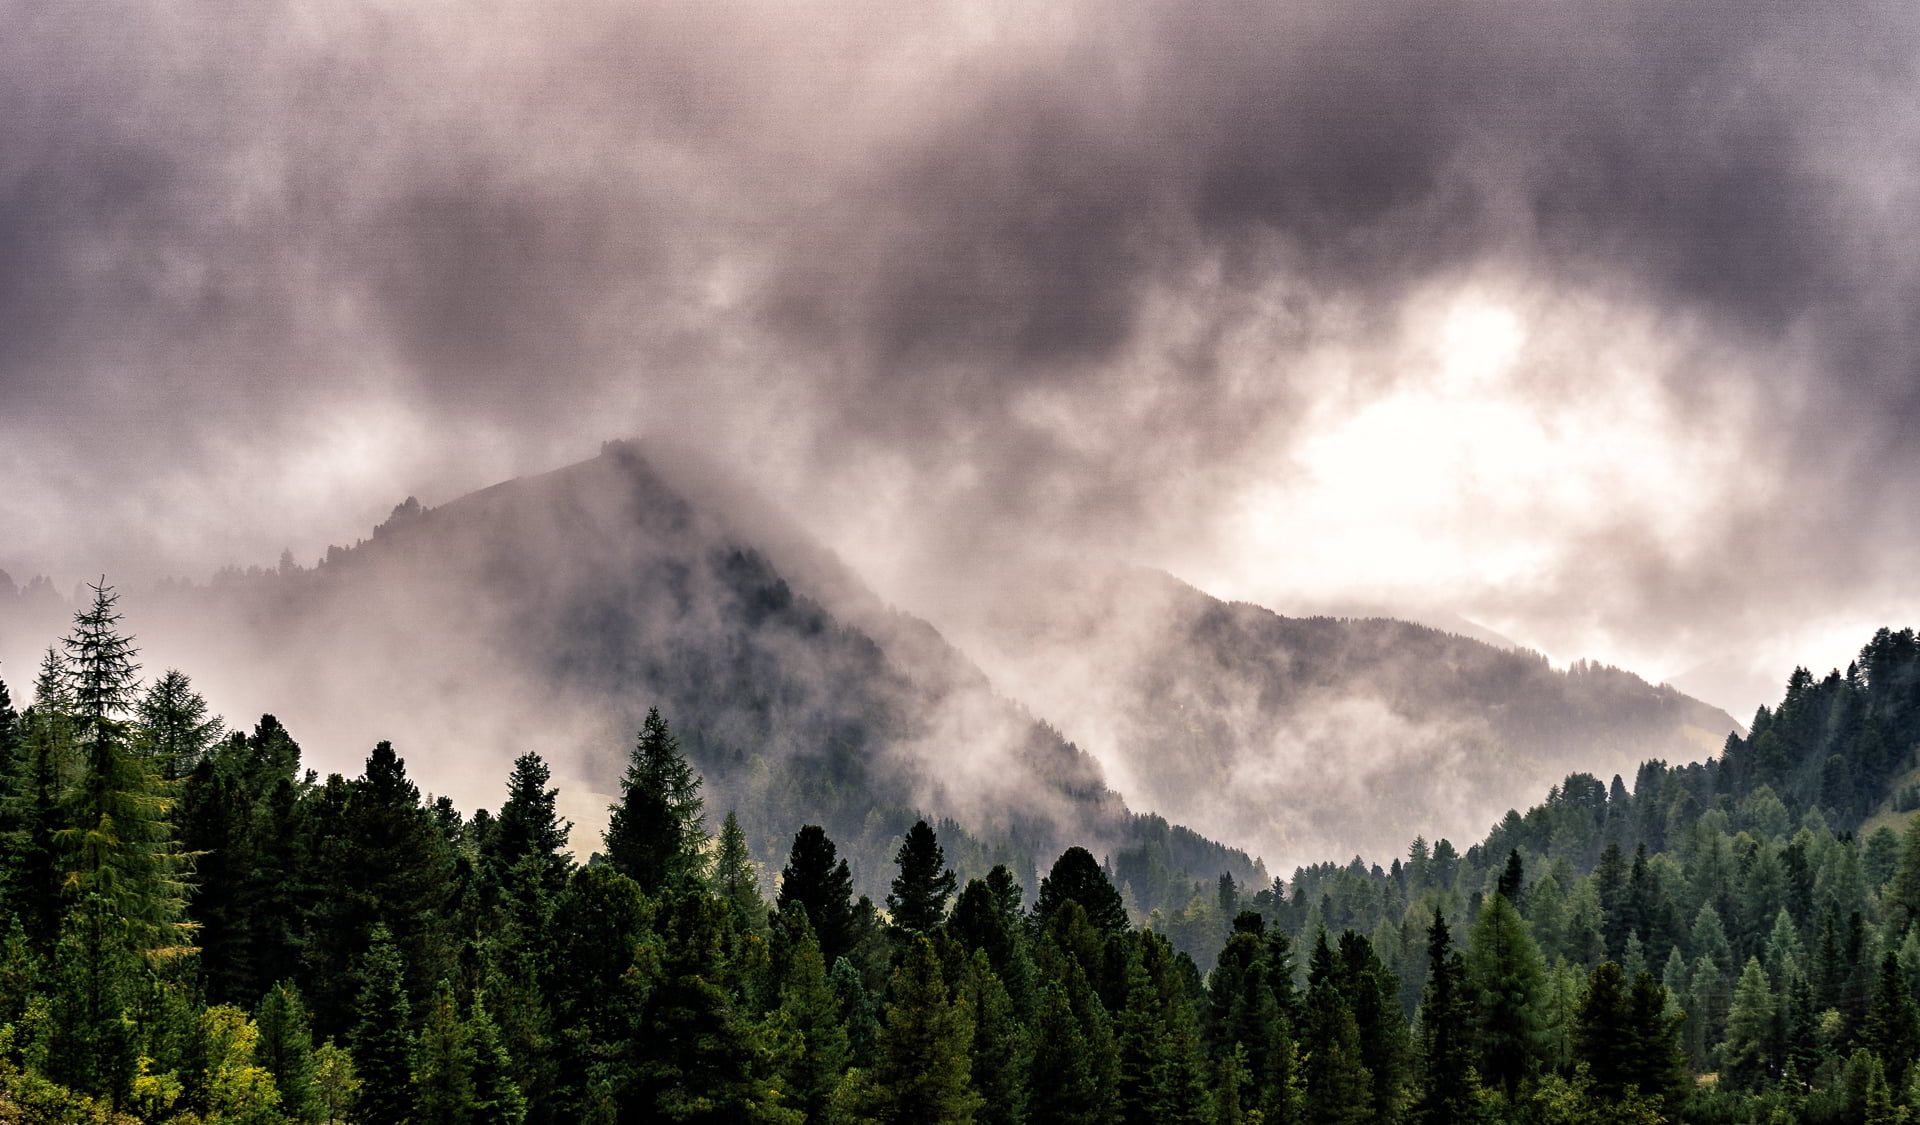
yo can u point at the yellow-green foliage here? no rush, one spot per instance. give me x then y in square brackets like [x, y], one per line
[238, 1092]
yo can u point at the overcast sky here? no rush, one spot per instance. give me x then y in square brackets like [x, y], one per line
[1592, 322]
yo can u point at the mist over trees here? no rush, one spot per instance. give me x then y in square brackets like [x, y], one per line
[196, 930]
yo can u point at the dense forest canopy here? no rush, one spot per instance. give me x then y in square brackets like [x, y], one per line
[197, 930]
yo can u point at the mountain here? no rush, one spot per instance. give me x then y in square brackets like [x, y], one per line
[549, 613]
[1302, 737]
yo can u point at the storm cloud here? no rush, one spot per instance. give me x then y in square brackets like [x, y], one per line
[1591, 322]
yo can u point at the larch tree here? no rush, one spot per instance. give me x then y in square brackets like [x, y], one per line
[119, 844]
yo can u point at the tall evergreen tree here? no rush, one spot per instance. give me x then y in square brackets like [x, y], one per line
[443, 1065]
[1077, 877]
[497, 1099]
[918, 902]
[44, 763]
[1507, 979]
[285, 1048]
[1748, 1060]
[119, 841]
[382, 1037]
[174, 729]
[817, 881]
[809, 1016]
[1339, 1086]
[656, 832]
[736, 878]
[530, 827]
[923, 1072]
[1892, 1029]
[1448, 1085]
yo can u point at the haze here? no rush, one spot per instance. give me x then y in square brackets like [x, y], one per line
[1590, 324]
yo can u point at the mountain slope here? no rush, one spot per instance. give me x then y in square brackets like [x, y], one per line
[550, 612]
[1307, 737]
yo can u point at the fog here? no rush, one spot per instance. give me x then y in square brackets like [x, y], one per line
[1588, 324]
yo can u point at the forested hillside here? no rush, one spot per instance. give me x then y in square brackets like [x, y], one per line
[197, 930]
[548, 613]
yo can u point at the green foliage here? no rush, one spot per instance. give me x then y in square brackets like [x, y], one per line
[285, 1049]
[382, 1039]
[817, 881]
[918, 902]
[656, 831]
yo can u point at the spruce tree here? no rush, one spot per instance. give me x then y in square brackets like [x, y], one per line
[1338, 1084]
[694, 1057]
[810, 1015]
[530, 828]
[382, 1036]
[923, 1070]
[818, 882]
[1066, 1084]
[443, 1065]
[1602, 1039]
[1448, 1083]
[285, 1048]
[496, 1098]
[918, 902]
[45, 762]
[656, 831]
[1002, 1046]
[1892, 1029]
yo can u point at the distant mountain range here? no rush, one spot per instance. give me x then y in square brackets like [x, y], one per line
[1316, 737]
[550, 612]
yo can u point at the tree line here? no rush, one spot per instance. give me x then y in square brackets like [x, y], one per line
[197, 931]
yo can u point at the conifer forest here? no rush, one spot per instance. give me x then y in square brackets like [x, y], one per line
[199, 930]
[959, 562]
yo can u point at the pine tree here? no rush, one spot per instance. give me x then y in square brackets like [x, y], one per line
[1602, 1038]
[285, 1048]
[923, 1069]
[694, 1058]
[1077, 877]
[382, 1036]
[656, 832]
[443, 1065]
[820, 884]
[1066, 1085]
[918, 902]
